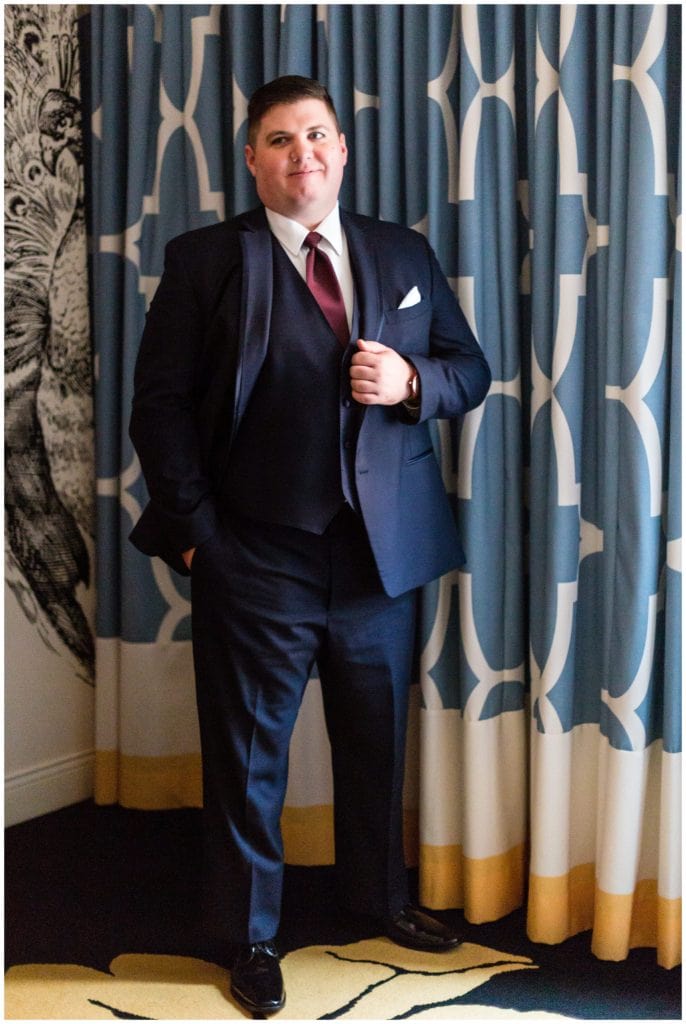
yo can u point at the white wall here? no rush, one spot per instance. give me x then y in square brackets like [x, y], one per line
[49, 713]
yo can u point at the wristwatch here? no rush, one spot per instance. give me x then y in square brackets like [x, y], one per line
[413, 384]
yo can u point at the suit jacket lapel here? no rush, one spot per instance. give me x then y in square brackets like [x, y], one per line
[365, 267]
[256, 305]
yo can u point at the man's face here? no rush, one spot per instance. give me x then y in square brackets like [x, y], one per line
[297, 161]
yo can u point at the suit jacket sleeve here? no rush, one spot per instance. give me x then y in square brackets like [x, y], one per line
[164, 427]
[455, 376]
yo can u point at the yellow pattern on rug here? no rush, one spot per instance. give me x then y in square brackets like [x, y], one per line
[368, 980]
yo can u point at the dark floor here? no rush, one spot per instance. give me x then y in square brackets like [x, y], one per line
[86, 884]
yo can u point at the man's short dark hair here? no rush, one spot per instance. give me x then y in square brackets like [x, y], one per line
[287, 89]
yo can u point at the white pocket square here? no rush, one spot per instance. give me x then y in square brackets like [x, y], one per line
[411, 299]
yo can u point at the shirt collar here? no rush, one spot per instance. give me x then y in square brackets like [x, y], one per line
[292, 235]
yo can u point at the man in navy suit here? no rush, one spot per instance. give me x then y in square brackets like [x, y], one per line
[291, 473]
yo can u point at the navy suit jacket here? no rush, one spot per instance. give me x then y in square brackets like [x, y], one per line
[204, 343]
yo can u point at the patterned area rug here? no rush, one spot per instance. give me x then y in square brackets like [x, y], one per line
[102, 922]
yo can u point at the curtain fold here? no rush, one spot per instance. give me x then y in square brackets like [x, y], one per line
[537, 149]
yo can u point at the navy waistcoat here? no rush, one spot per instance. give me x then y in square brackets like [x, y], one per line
[291, 461]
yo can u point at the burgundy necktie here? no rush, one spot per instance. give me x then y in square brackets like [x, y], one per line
[323, 283]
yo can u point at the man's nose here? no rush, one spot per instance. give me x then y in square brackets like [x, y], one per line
[301, 150]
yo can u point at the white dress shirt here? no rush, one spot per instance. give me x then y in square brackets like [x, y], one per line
[291, 235]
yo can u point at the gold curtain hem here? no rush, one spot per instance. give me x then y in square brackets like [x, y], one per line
[562, 906]
[488, 887]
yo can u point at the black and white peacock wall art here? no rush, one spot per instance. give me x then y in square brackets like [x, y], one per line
[49, 471]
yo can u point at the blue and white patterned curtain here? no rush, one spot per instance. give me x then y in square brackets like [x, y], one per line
[537, 149]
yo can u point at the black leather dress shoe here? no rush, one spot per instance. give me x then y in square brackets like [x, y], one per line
[256, 981]
[415, 929]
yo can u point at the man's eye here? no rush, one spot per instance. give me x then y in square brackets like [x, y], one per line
[279, 140]
[317, 135]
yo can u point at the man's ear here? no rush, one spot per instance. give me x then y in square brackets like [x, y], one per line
[249, 154]
[341, 139]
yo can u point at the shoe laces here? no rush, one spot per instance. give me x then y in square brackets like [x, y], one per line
[246, 953]
[266, 947]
